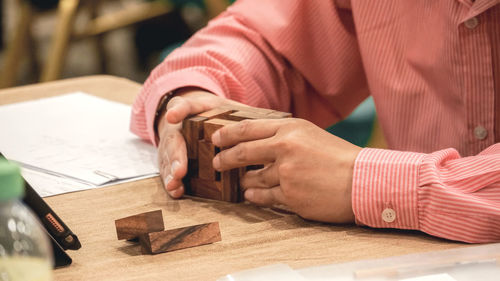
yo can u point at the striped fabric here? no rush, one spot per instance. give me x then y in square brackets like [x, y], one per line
[432, 67]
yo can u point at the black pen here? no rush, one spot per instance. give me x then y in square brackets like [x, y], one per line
[54, 225]
[50, 220]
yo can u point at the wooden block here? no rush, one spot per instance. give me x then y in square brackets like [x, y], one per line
[133, 226]
[206, 153]
[192, 130]
[180, 238]
[268, 114]
[242, 115]
[203, 180]
[205, 189]
[230, 185]
[217, 112]
[235, 107]
[212, 125]
[192, 168]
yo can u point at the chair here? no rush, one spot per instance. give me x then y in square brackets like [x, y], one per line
[65, 31]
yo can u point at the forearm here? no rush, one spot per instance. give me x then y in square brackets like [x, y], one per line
[440, 193]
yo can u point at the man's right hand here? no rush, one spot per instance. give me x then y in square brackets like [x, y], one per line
[172, 153]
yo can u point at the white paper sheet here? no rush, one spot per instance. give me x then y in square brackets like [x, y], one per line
[432, 277]
[48, 185]
[78, 136]
[459, 264]
[275, 272]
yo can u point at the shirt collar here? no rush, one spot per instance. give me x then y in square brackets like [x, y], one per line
[477, 7]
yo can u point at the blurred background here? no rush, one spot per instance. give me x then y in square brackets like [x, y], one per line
[44, 40]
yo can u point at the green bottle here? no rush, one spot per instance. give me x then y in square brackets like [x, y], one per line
[25, 252]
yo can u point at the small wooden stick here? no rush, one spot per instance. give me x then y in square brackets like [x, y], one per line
[192, 129]
[180, 238]
[216, 112]
[206, 153]
[133, 226]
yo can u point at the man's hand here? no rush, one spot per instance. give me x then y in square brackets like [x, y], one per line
[172, 153]
[306, 168]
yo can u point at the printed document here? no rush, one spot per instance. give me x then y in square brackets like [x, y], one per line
[75, 138]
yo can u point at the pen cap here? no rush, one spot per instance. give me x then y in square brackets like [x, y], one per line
[11, 182]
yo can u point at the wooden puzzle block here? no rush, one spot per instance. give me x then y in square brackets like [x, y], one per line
[133, 226]
[206, 153]
[205, 188]
[256, 110]
[242, 115]
[202, 179]
[192, 129]
[180, 238]
[230, 184]
[216, 112]
[212, 125]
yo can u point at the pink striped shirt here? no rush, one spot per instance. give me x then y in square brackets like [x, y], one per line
[432, 67]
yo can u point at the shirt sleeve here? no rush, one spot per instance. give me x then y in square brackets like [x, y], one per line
[289, 55]
[441, 193]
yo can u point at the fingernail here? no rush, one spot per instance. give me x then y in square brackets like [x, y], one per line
[216, 137]
[248, 194]
[216, 162]
[167, 180]
[174, 166]
[176, 193]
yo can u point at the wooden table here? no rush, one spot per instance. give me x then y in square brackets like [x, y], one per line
[251, 236]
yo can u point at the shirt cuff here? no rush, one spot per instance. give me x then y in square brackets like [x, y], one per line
[171, 82]
[384, 188]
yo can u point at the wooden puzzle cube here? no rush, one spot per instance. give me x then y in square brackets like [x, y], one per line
[202, 180]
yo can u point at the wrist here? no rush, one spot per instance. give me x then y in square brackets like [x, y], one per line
[162, 107]
[161, 110]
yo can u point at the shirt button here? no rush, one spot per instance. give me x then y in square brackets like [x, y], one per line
[388, 215]
[480, 133]
[471, 23]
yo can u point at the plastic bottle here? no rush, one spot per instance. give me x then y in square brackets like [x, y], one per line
[25, 252]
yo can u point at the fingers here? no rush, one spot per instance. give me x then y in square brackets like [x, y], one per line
[180, 107]
[245, 154]
[172, 147]
[265, 197]
[173, 186]
[177, 192]
[177, 154]
[266, 177]
[246, 130]
[173, 161]
[262, 186]
[251, 143]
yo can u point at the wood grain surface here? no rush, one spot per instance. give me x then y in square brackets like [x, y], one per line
[212, 125]
[192, 129]
[251, 236]
[180, 238]
[132, 226]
